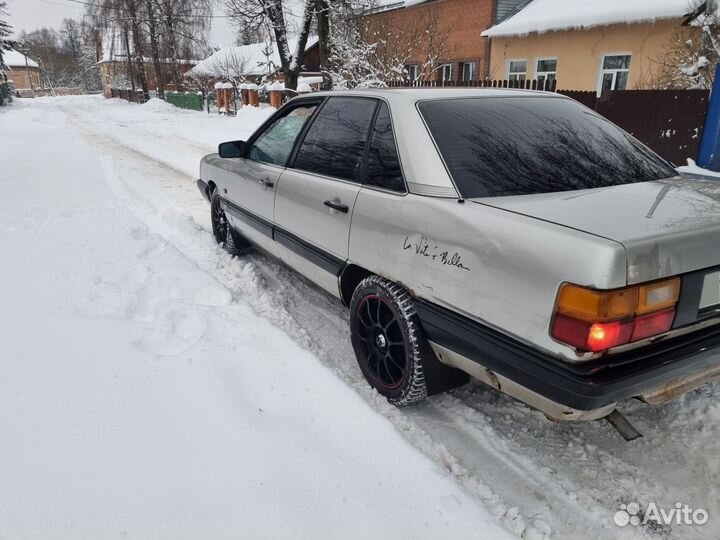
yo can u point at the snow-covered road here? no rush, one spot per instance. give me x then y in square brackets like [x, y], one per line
[155, 387]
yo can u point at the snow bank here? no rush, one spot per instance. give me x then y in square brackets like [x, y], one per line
[157, 402]
[694, 168]
[548, 15]
[157, 105]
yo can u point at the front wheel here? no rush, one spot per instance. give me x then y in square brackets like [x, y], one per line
[223, 232]
[387, 339]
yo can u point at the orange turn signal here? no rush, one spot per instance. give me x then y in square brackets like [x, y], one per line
[594, 320]
[596, 306]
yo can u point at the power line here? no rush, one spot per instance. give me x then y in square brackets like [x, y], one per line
[186, 15]
[56, 3]
[180, 16]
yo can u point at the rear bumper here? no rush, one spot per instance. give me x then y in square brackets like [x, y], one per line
[204, 189]
[675, 364]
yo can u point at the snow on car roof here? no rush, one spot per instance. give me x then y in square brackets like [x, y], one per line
[14, 59]
[549, 15]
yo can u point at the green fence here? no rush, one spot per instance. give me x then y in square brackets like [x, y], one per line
[185, 101]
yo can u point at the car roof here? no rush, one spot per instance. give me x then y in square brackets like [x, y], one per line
[428, 93]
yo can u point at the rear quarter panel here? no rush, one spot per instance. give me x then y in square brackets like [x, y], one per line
[497, 267]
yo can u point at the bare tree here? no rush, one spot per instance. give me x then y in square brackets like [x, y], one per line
[688, 59]
[184, 26]
[171, 30]
[153, 34]
[272, 15]
[373, 50]
[78, 43]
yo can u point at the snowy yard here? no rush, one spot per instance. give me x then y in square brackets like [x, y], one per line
[155, 387]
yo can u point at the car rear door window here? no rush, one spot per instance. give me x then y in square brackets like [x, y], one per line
[499, 146]
[275, 144]
[383, 164]
[335, 142]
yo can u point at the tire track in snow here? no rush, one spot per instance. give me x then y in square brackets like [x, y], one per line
[510, 457]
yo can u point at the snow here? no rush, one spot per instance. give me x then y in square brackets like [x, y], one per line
[154, 387]
[381, 5]
[550, 15]
[694, 168]
[255, 59]
[145, 394]
[14, 59]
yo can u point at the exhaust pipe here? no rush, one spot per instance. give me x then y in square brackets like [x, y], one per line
[623, 426]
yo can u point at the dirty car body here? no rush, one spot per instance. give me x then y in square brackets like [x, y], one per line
[546, 252]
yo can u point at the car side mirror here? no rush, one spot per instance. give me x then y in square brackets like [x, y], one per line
[233, 149]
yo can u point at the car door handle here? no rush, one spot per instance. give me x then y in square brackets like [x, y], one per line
[335, 206]
[266, 182]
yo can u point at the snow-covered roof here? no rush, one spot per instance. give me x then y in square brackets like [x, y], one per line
[14, 59]
[252, 59]
[549, 15]
[386, 5]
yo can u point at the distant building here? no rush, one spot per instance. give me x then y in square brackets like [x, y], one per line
[254, 62]
[115, 72]
[465, 56]
[600, 45]
[24, 71]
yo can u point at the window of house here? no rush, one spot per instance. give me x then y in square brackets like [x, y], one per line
[469, 71]
[383, 164]
[446, 72]
[413, 72]
[517, 70]
[335, 142]
[615, 72]
[546, 69]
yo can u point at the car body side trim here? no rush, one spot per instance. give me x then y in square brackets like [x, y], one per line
[321, 258]
[256, 222]
[585, 386]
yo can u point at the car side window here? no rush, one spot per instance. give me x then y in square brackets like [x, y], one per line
[383, 163]
[275, 144]
[335, 142]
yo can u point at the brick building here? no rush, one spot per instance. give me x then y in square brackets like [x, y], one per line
[24, 72]
[114, 73]
[463, 54]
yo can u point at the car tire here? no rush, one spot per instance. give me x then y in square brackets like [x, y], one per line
[387, 339]
[224, 234]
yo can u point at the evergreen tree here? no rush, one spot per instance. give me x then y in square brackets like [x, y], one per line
[5, 32]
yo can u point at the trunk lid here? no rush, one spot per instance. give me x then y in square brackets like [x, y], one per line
[667, 227]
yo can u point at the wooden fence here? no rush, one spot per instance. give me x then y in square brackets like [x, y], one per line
[670, 122]
[529, 84]
[135, 97]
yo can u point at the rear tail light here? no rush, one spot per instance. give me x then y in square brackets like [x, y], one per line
[591, 320]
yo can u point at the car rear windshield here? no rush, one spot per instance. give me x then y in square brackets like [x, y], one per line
[526, 145]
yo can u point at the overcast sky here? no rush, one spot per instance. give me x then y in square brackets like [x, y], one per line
[31, 14]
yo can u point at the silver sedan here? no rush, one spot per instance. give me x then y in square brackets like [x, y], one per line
[513, 236]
